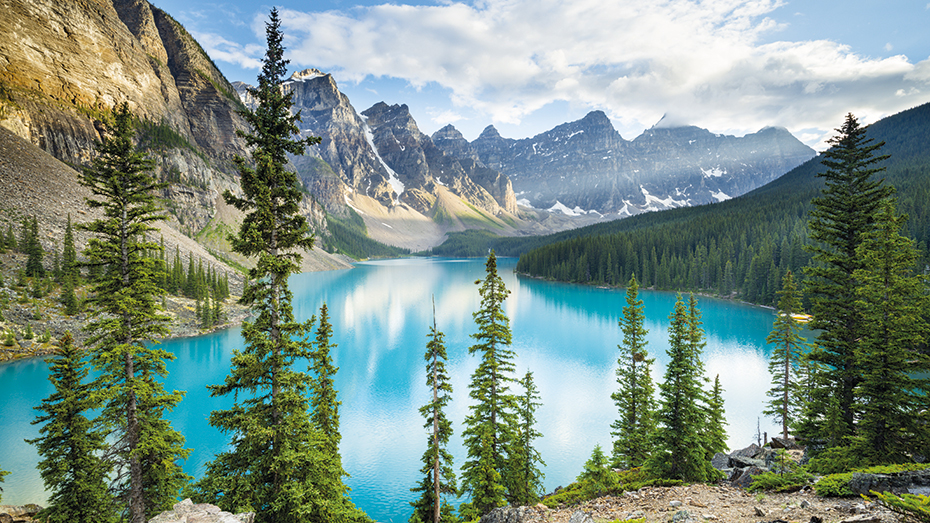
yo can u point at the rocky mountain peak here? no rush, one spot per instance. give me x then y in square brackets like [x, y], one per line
[452, 142]
[307, 74]
[490, 133]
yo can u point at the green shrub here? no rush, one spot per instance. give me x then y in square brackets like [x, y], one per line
[29, 334]
[834, 486]
[10, 340]
[912, 508]
[786, 482]
[834, 461]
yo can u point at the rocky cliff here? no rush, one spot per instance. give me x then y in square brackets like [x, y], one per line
[379, 164]
[586, 166]
[65, 64]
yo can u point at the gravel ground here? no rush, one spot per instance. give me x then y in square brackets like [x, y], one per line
[717, 503]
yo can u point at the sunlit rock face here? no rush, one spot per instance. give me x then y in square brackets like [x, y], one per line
[586, 166]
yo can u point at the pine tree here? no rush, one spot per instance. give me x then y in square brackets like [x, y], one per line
[273, 460]
[841, 216]
[324, 408]
[634, 399]
[891, 358]
[680, 447]
[525, 480]
[33, 248]
[71, 467]
[127, 321]
[488, 429]
[438, 473]
[790, 346]
[69, 263]
[716, 434]
[10, 237]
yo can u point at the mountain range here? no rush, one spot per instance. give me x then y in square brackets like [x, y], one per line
[67, 63]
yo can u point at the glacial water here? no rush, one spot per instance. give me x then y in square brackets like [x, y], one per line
[381, 312]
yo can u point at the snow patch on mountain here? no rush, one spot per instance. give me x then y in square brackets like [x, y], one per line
[654, 203]
[714, 172]
[720, 196]
[395, 182]
[562, 208]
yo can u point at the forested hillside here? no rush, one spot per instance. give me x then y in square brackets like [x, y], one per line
[739, 247]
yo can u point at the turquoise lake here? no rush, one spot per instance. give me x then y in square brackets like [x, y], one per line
[381, 312]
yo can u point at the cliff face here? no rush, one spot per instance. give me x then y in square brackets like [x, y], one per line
[65, 63]
[380, 154]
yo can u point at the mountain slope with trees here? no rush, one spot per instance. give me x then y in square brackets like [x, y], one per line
[741, 247]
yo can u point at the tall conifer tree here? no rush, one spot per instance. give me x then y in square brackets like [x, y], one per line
[891, 354]
[274, 462]
[681, 446]
[324, 408]
[489, 428]
[842, 215]
[71, 467]
[785, 395]
[716, 434]
[634, 399]
[438, 473]
[525, 480]
[69, 265]
[128, 321]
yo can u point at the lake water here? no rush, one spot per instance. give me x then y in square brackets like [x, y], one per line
[381, 312]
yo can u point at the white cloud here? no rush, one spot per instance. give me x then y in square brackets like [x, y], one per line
[889, 46]
[702, 61]
[219, 48]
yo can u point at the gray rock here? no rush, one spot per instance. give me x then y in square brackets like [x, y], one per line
[720, 461]
[188, 512]
[17, 511]
[581, 517]
[744, 479]
[782, 443]
[639, 514]
[748, 452]
[743, 462]
[506, 514]
[682, 516]
[897, 483]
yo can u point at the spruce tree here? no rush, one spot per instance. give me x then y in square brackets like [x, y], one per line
[525, 480]
[127, 321]
[716, 432]
[71, 467]
[438, 472]
[272, 461]
[790, 346]
[489, 427]
[33, 248]
[680, 445]
[324, 408]
[69, 263]
[635, 397]
[842, 215]
[891, 355]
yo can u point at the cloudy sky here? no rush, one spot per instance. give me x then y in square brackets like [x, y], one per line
[525, 66]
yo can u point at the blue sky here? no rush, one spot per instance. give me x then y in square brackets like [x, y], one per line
[525, 66]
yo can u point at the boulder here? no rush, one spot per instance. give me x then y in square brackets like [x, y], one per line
[581, 517]
[506, 514]
[188, 512]
[782, 443]
[743, 478]
[749, 452]
[720, 461]
[743, 462]
[897, 482]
